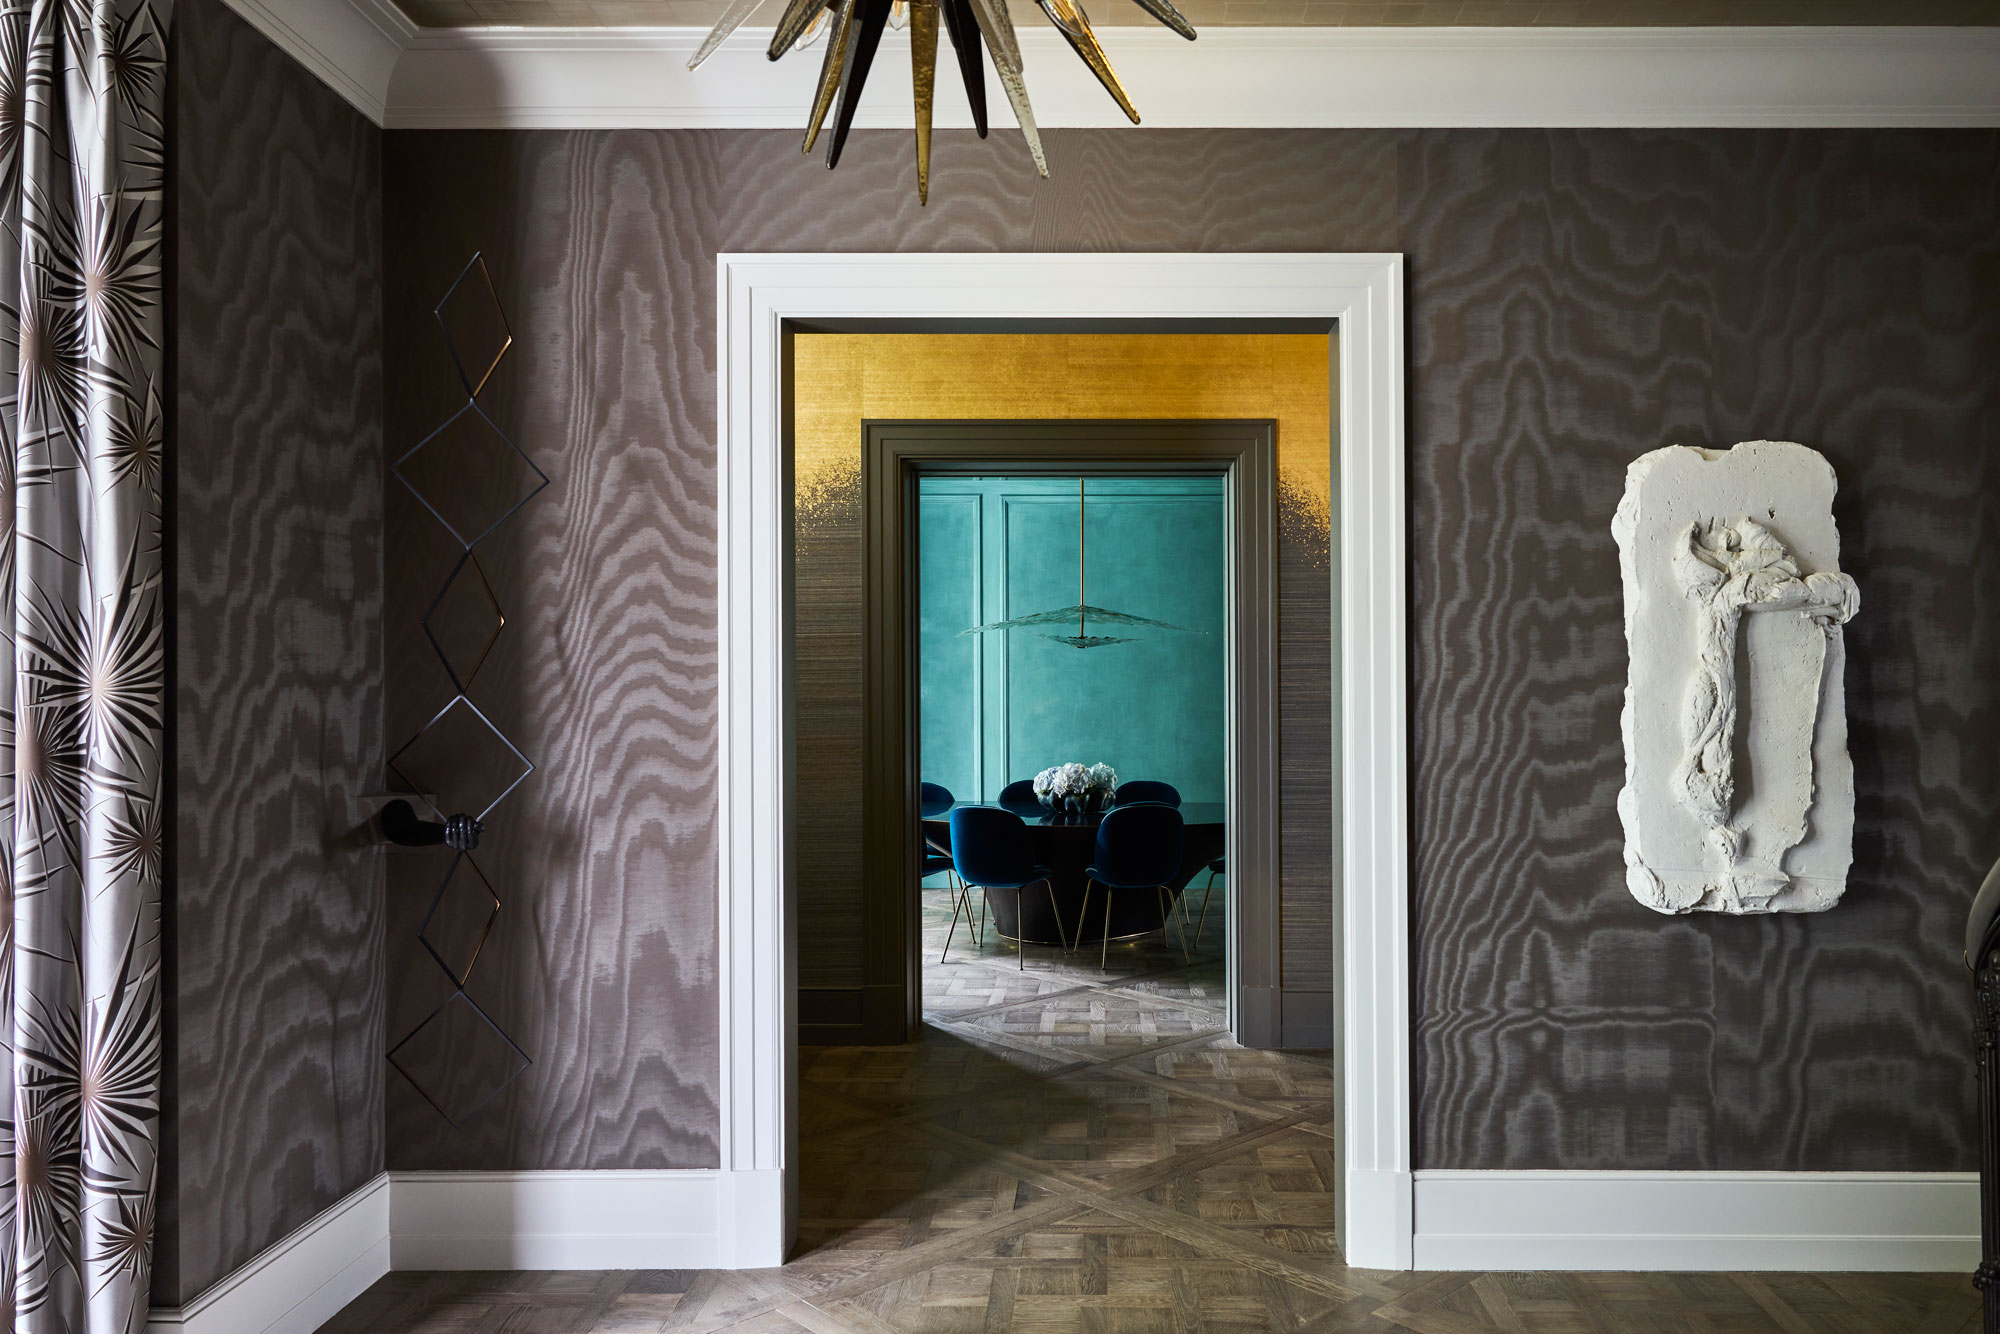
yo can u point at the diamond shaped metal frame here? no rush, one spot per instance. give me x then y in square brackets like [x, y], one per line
[471, 405]
[491, 600]
[438, 717]
[459, 978]
[459, 994]
[477, 262]
[473, 387]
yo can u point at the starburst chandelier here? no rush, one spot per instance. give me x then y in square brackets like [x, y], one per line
[854, 31]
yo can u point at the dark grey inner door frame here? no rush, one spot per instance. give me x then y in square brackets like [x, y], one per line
[894, 455]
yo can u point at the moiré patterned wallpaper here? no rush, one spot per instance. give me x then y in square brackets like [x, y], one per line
[275, 906]
[1577, 298]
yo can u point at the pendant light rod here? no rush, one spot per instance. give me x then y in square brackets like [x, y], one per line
[1083, 611]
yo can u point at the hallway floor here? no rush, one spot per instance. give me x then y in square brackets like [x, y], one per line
[1069, 1150]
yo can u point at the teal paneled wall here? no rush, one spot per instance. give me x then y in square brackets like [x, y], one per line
[1005, 705]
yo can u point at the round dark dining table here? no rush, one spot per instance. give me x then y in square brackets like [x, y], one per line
[1066, 845]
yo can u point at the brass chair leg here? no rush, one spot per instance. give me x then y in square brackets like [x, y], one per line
[956, 902]
[1167, 911]
[1020, 926]
[1104, 950]
[1083, 911]
[964, 893]
[1207, 893]
[1056, 913]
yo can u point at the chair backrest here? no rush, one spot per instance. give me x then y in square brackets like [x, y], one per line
[935, 798]
[991, 847]
[1146, 789]
[1020, 792]
[1138, 846]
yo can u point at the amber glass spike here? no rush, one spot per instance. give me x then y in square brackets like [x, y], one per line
[869, 18]
[1074, 24]
[830, 69]
[923, 85]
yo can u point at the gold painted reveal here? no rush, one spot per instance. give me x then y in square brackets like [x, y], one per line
[842, 379]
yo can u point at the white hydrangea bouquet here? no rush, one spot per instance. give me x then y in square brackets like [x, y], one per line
[1085, 785]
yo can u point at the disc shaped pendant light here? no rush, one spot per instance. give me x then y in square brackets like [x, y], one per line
[1082, 613]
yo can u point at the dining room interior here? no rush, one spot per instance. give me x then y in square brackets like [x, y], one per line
[1062, 887]
[1073, 738]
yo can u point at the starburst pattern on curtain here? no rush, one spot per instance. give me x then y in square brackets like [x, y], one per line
[82, 455]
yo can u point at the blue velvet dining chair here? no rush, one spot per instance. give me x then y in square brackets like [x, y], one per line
[993, 851]
[1020, 792]
[1138, 847]
[934, 800]
[1146, 789]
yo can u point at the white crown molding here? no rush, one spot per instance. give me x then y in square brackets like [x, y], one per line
[1646, 1221]
[351, 45]
[296, 1284]
[1235, 77]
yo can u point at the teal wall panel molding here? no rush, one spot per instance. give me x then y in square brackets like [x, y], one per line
[1004, 705]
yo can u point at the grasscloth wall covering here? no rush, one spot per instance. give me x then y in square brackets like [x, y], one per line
[1577, 298]
[275, 982]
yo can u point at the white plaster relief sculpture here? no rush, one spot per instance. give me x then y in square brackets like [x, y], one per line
[1739, 794]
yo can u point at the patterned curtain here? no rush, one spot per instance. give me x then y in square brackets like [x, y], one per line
[82, 152]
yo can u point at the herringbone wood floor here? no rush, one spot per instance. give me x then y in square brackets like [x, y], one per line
[1069, 1150]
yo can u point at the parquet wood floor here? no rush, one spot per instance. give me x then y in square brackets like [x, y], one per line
[1074, 1151]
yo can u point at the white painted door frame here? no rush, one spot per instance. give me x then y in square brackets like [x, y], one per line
[1361, 294]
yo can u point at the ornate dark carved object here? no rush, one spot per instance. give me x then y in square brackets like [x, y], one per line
[471, 459]
[1982, 956]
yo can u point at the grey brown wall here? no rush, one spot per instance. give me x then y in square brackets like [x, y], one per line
[1576, 299]
[275, 904]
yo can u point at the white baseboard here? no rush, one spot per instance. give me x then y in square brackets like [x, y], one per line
[1907, 1221]
[568, 1220]
[700, 1219]
[1375, 1229]
[704, 1219]
[297, 1284]
[754, 1234]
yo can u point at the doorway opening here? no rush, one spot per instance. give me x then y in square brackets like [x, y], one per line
[772, 937]
[1175, 497]
[1077, 1019]
[1072, 663]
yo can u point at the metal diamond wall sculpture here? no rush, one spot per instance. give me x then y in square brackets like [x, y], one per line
[853, 31]
[471, 478]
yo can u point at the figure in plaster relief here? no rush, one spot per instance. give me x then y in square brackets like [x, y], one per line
[1726, 571]
[1739, 792]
